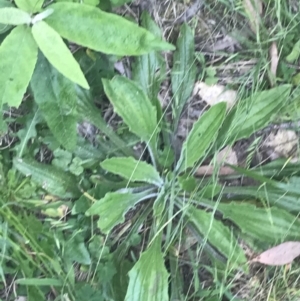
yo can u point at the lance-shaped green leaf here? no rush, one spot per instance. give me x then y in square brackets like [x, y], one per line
[57, 53]
[184, 70]
[113, 207]
[30, 6]
[56, 98]
[258, 111]
[50, 178]
[133, 105]
[269, 225]
[14, 16]
[16, 65]
[149, 69]
[108, 33]
[217, 234]
[132, 170]
[201, 136]
[148, 279]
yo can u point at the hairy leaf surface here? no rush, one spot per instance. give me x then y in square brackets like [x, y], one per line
[30, 6]
[107, 32]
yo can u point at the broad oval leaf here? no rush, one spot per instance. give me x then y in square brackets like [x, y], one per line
[50, 178]
[148, 279]
[16, 65]
[132, 170]
[184, 70]
[217, 234]
[30, 6]
[133, 105]
[265, 224]
[14, 16]
[56, 98]
[107, 32]
[58, 54]
[201, 136]
[113, 207]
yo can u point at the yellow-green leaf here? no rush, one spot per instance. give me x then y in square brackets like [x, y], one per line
[14, 16]
[58, 54]
[90, 27]
[30, 6]
[18, 53]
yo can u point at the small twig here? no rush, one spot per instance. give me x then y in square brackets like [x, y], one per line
[190, 12]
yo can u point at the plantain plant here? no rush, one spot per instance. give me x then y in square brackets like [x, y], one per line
[157, 190]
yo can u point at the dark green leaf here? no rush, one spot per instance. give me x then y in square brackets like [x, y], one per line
[77, 251]
[271, 225]
[148, 279]
[16, 65]
[133, 105]
[49, 177]
[56, 98]
[201, 136]
[113, 207]
[132, 170]
[184, 70]
[57, 53]
[108, 33]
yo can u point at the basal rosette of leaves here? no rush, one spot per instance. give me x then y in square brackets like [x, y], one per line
[162, 188]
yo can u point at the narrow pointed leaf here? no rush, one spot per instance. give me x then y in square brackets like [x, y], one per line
[14, 16]
[149, 69]
[30, 6]
[217, 234]
[40, 282]
[57, 53]
[184, 70]
[265, 224]
[56, 98]
[50, 178]
[258, 111]
[201, 136]
[133, 105]
[148, 279]
[132, 170]
[108, 33]
[113, 207]
[16, 65]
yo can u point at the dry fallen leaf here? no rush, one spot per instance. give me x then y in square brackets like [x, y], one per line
[226, 155]
[274, 61]
[215, 94]
[253, 9]
[282, 254]
[283, 143]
